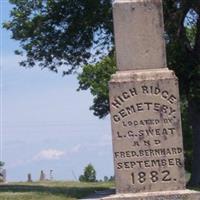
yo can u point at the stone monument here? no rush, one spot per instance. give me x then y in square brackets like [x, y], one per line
[145, 108]
[2, 175]
[29, 178]
[51, 175]
[42, 176]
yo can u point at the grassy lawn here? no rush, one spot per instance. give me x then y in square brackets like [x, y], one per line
[50, 190]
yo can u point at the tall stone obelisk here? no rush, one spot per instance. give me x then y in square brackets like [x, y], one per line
[145, 109]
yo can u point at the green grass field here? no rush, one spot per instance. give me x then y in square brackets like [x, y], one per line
[50, 190]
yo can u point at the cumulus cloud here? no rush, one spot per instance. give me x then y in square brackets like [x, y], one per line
[49, 154]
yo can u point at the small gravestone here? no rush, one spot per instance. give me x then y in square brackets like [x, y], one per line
[145, 108]
[29, 180]
[1, 176]
[4, 175]
[51, 175]
[42, 176]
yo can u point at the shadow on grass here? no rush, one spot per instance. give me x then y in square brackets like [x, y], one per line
[73, 192]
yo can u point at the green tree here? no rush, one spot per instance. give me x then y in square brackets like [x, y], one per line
[79, 33]
[187, 136]
[56, 33]
[182, 22]
[89, 174]
[112, 178]
[105, 179]
[1, 170]
[96, 77]
[1, 164]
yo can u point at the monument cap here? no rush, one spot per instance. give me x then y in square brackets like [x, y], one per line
[139, 34]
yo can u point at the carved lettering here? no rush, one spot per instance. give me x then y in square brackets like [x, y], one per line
[146, 90]
[146, 135]
[153, 176]
[151, 90]
[117, 102]
[149, 153]
[150, 163]
[143, 107]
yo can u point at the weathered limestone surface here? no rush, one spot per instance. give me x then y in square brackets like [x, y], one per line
[146, 128]
[145, 108]
[167, 195]
[139, 34]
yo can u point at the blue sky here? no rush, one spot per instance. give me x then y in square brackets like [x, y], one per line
[45, 123]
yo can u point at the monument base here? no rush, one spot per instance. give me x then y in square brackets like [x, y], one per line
[166, 195]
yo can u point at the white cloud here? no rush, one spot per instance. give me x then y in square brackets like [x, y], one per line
[76, 148]
[49, 154]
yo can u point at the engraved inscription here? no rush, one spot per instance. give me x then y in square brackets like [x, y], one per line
[147, 90]
[150, 163]
[146, 132]
[148, 153]
[142, 107]
[153, 177]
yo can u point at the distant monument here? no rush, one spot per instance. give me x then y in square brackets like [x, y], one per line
[51, 175]
[2, 175]
[145, 108]
[29, 180]
[42, 176]
[2, 172]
